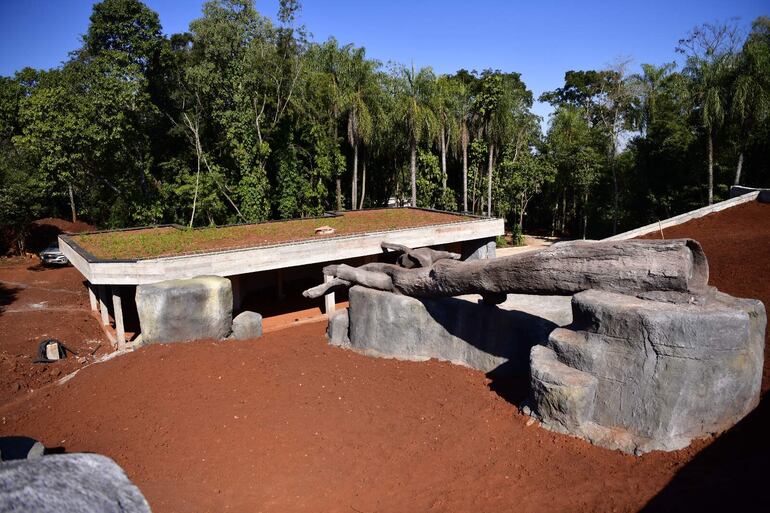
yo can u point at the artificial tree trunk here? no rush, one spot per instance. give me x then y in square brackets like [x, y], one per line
[634, 267]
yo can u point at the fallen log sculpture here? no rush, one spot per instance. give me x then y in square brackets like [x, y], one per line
[628, 267]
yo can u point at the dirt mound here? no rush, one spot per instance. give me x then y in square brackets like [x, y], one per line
[43, 232]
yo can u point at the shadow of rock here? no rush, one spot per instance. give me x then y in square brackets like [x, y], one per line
[493, 339]
[728, 475]
[19, 448]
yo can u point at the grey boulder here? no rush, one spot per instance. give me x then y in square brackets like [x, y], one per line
[180, 310]
[458, 330]
[83, 483]
[640, 375]
[247, 325]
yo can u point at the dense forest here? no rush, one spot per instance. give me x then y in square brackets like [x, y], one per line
[242, 119]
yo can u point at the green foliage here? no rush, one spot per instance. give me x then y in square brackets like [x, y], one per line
[245, 119]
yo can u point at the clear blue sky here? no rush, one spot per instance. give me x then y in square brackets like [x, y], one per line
[537, 38]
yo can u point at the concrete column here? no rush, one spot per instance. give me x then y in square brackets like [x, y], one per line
[117, 307]
[91, 296]
[103, 293]
[329, 304]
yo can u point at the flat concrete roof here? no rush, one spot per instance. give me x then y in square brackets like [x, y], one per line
[231, 262]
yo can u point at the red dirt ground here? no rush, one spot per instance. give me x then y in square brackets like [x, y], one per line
[288, 423]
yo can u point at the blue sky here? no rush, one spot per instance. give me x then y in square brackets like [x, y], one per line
[537, 38]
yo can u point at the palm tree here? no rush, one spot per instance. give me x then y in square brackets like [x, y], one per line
[361, 88]
[711, 51]
[448, 99]
[414, 108]
[648, 86]
[751, 90]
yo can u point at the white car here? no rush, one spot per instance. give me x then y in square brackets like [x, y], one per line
[52, 255]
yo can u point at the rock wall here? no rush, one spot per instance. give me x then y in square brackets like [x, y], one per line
[640, 375]
[458, 330]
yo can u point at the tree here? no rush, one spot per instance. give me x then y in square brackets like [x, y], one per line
[361, 84]
[414, 106]
[711, 53]
[751, 89]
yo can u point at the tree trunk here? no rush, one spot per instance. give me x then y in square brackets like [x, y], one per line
[711, 166]
[738, 169]
[363, 183]
[413, 170]
[585, 214]
[72, 203]
[614, 197]
[354, 188]
[563, 269]
[339, 194]
[443, 160]
[465, 171]
[489, 179]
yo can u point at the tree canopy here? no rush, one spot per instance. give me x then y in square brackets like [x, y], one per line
[245, 119]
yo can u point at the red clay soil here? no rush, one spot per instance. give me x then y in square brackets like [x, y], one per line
[288, 423]
[165, 241]
[37, 303]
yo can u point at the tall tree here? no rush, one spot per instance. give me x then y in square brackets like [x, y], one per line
[414, 106]
[711, 54]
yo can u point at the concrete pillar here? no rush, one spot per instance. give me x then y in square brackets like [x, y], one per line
[91, 296]
[329, 304]
[117, 307]
[103, 293]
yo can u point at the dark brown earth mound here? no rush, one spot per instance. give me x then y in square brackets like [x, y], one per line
[288, 423]
[43, 232]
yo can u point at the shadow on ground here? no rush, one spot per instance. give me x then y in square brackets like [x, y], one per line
[7, 296]
[728, 475]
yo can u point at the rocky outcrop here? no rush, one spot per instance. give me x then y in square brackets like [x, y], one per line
[640, 375]
[458, 330]
[86, 483]
[180, 310]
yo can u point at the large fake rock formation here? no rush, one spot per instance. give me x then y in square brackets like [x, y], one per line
[458, 330]
[86, 483]
[640, 375]
[179, 310]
